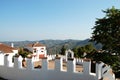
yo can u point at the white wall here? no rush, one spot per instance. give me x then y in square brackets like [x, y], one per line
[24, 74]
[38, 50]
[29, 73]
[1, 59]
[15, 51]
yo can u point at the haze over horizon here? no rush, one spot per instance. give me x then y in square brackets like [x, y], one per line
[50, 19]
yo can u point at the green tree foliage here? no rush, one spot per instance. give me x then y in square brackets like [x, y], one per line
[79, 51]
[89, 48]
[23, 53]
[75, 50]
[63, 49]
[107, 32]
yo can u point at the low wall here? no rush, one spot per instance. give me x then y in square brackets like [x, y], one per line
[24, 74]
[17, 72]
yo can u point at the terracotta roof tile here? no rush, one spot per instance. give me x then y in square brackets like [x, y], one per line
[6, 49]
[37, 44]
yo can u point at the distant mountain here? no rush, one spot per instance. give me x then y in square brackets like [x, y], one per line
[54, 46]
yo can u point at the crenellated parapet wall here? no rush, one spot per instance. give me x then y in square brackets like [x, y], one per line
[18, 72]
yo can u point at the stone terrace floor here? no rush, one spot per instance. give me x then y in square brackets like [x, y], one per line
[51, 65]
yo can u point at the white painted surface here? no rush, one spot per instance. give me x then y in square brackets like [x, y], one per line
[87, 67]
[41, 50]
[29, 73]
[69, 54]
[15, 51]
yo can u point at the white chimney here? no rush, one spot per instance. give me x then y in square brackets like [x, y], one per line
[12, 45]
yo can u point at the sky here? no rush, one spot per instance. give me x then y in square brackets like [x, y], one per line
[50, 19]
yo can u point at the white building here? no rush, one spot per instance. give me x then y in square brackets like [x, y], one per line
[38, 50]
[8, 50]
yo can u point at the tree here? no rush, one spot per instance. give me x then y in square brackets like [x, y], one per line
[89, 48]
[75, 50]
[79, 51]
[107, 32]
[23, 53]
[63, 49]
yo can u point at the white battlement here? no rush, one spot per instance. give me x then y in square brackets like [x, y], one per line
[18, 72]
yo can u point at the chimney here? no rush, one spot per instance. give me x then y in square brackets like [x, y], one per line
[12, 45]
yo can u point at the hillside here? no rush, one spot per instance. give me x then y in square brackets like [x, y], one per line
[54, 46]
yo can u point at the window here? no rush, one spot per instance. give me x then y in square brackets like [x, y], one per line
[35, 51]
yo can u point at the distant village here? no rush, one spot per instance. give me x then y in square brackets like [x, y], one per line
[37, 50]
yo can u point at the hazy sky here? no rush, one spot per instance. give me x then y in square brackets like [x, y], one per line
[50, 19]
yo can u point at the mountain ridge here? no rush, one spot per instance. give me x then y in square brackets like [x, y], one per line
[54, 46]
